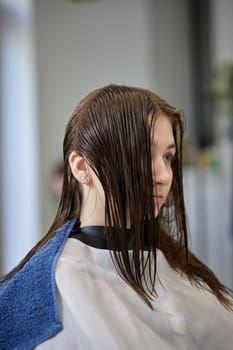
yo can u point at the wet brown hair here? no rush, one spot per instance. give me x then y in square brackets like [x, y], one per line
[111, 129]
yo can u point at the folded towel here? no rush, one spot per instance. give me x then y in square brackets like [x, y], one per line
[29, 311]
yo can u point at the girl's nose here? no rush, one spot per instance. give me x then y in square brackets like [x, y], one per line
[161, 172]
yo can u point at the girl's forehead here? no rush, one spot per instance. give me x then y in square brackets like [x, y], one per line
[161, 130]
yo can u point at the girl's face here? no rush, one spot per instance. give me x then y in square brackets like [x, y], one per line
[163, 152]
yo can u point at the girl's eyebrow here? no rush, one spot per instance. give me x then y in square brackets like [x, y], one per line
[171, 146]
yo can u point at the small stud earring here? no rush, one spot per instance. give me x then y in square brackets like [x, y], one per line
[84, 178]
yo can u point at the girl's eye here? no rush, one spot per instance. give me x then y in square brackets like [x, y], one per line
[168, 158]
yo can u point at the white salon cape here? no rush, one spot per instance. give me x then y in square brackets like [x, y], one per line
[99, 311]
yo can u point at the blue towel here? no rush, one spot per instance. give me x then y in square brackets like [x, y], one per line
[28, 307]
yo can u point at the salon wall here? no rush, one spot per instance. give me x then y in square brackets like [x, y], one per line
[222, 30]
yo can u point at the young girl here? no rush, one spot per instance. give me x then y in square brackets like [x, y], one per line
[114, 271]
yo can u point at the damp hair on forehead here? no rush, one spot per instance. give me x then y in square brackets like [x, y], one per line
[115, 139]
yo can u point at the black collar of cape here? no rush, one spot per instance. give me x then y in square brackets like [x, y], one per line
[91, 235]
[94, 236]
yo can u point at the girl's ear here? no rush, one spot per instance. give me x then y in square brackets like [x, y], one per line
[79, 168]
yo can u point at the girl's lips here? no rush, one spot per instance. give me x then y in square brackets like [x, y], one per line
[158, 199]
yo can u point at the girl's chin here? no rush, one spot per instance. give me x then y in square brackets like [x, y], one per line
[157, 210]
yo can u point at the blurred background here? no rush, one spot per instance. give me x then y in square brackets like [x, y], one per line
[53, 52]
